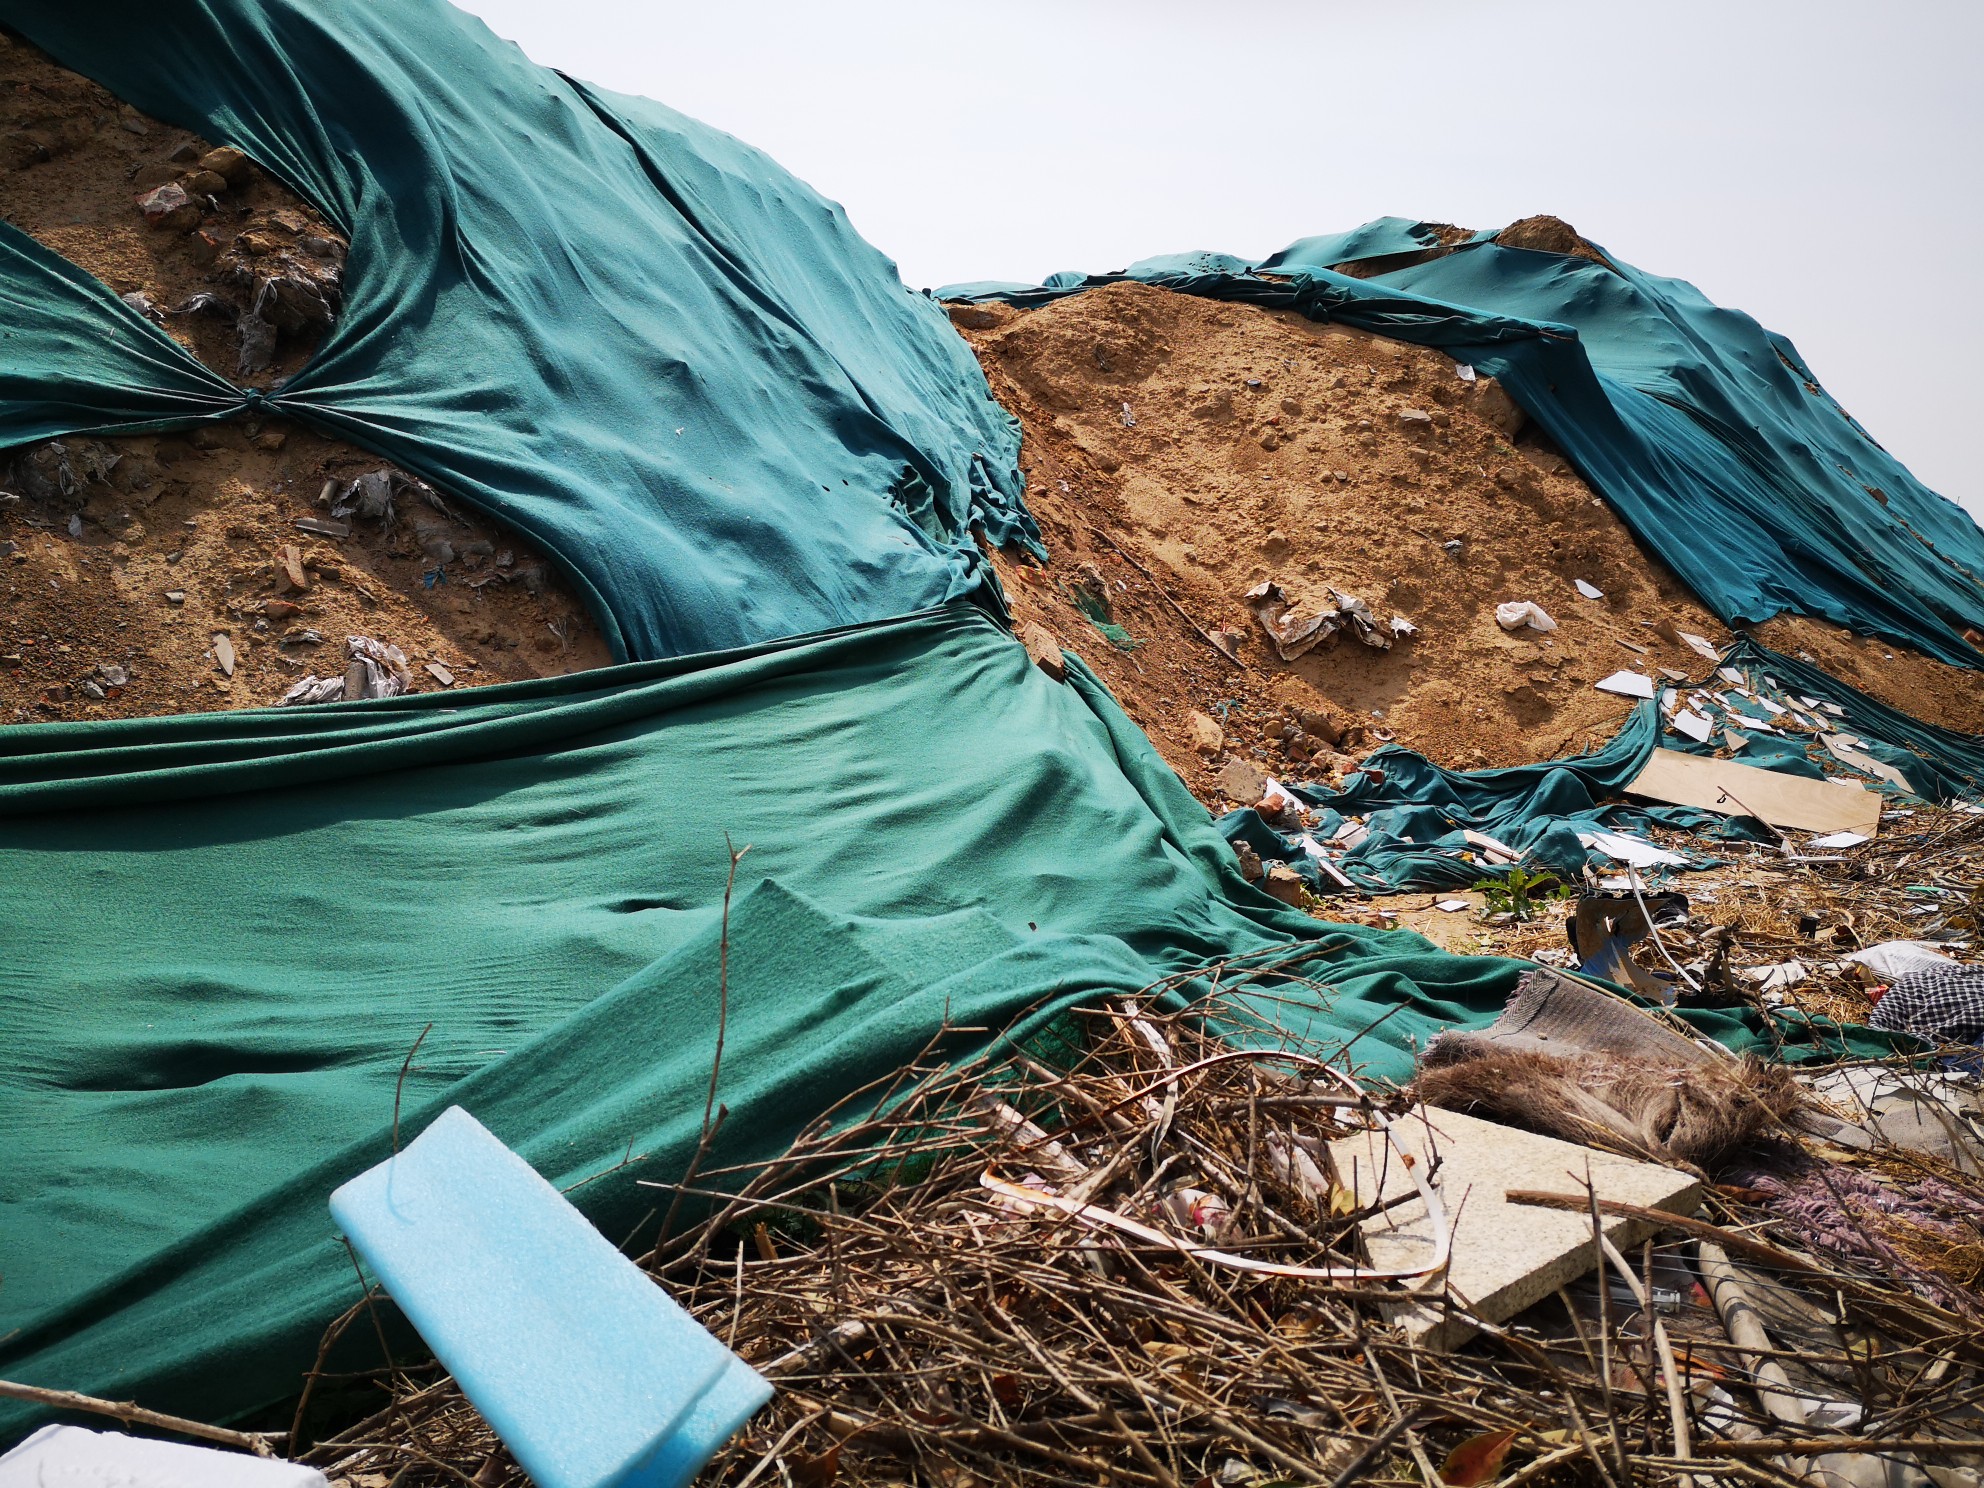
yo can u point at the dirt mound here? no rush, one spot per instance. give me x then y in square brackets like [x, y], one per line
[1549, 235]
[1181, 452]
[122, 560]
[1898, 676]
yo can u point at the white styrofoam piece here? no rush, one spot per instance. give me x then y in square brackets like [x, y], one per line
[73, 1457]
[588, 1371]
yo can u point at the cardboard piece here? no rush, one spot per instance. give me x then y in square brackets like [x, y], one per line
[1506, 1257]
[1744, 790]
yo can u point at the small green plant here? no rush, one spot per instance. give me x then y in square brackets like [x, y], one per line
[1523, 893]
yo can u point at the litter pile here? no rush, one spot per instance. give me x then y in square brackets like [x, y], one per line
[166, 573]
[1135, 1254]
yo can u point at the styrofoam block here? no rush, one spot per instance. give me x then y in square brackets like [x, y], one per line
[588, 1371]
[72, 1457]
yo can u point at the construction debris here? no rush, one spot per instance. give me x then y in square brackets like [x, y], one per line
[131, 546]
[375, 670]
[1768, 795]
[1085, 1262]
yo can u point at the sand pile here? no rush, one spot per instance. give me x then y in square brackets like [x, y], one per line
[160, 574]
[1182, 452]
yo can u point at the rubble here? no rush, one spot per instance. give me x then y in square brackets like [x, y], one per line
[1025, 1271]
[1176, 508]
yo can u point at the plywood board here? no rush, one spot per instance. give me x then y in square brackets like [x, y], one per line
[1744, 790]
[1505, 1256]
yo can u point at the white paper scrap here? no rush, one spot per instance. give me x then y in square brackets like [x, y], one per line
[1453, 906]
[1700, 645]
[1775, 978]
[1627, 684]
[1589, 591]
[1693, 725]
[1624, 848]
[1841, 839]
[1743, 720]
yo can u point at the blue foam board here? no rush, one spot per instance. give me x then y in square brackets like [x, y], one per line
[591, 1375]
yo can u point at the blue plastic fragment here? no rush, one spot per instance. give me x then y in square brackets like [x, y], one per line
[588, 1371]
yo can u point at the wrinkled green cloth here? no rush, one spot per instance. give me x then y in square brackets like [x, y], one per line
[226, 931]
[1707, 433]
[673, 365]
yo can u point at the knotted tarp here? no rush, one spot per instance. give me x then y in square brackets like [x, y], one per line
[673, 365]
[1707, 433]
[226, 931]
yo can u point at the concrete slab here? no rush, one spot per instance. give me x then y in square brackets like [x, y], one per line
[1505, 1256]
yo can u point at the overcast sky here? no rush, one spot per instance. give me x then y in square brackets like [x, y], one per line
[1813, 162]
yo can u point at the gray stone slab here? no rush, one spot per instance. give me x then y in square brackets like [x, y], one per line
[1506, 1256]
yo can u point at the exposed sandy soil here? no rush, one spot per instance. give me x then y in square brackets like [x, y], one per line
[1896, 675]
[122, 559]
[1196, 448]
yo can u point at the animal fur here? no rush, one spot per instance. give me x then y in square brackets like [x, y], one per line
[1695, 1115]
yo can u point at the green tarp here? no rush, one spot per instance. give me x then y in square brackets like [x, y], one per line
[225, 932]
[642, 342]
[1707, 433]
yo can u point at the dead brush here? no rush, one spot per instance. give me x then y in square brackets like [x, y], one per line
[1119, 1256]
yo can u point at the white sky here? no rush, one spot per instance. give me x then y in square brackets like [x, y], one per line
[1803, 160]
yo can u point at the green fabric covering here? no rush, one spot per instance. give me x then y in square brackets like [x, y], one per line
[227, 930]
[1707, 433]
[1417, 813]
[1942, 764]
[675, 366]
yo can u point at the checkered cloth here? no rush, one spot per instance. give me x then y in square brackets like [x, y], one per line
[1944, 1006]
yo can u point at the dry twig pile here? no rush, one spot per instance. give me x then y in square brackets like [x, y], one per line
[1103, 1268]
